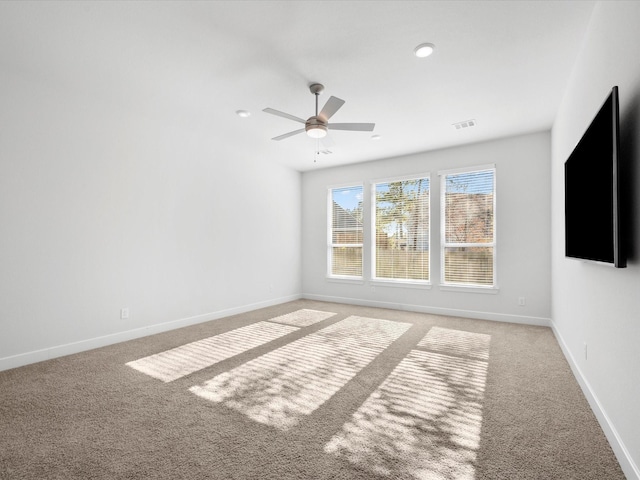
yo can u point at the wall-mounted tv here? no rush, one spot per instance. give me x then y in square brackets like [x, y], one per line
[592, 191]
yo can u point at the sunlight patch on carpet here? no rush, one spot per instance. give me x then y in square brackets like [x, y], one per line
[186, 359]
[457, 342]
[283, 386]
[424, 420]
[303, 318]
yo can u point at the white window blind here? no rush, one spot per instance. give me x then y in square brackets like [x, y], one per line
[401, 230]
[345, 231]
[468, 228]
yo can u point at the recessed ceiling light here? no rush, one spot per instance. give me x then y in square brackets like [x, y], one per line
[376, 137]
[424, 50]
[243, 113]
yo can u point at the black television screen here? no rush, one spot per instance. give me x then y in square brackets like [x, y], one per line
[592, 193]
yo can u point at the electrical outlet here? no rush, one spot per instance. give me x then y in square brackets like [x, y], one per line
[521, 301]
[124, 313]
[585, 350]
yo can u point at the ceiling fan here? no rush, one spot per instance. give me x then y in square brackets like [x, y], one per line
[317, 125]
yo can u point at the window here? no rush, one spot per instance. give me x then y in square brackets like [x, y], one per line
[401, 230]
[468, 227]
[345, 232]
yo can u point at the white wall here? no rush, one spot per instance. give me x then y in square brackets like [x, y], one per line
[523, 231]
[594, 304]
[105, 204]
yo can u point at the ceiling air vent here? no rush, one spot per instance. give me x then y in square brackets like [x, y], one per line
[465, 124]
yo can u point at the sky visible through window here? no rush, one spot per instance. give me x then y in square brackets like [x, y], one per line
[471, 182]
[348, 198]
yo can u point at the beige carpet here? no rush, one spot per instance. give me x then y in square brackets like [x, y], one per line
[307, 390]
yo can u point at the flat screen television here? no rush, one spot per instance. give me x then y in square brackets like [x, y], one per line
[592, 191]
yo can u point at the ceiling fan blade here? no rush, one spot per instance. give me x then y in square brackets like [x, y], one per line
[358, 127]
[331, 107]
[285, 115]
[287, 135]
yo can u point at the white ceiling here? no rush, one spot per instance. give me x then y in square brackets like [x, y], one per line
[504, 64]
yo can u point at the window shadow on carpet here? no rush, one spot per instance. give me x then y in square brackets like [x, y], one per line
[424, 420]
[283, 386]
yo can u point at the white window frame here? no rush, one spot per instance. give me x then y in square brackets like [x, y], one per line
[331, 245]
[396, 281]
[469, 287]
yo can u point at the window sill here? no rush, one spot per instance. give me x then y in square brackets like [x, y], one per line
[400, 284]
[470, 289]
[348, 280]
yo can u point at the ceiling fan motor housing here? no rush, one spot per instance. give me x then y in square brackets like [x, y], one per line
[315, 127]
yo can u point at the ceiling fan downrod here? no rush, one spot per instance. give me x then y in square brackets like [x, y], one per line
[316, 89]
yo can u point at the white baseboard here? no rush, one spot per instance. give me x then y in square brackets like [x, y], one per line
[498, 317]
[629, 468]
[102, 341]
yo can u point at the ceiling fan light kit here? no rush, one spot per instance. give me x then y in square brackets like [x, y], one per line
[316, 130]
[318, 125]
